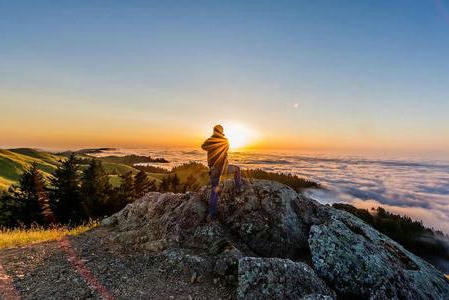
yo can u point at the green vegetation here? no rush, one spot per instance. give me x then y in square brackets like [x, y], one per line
[115, 180]
[35, 234]
[44, 156]
[131, 160]
[14, 162]
[152, 169]
[77, 190]
[117, 169]
[413, 235]
[293, 181]
[192, 169]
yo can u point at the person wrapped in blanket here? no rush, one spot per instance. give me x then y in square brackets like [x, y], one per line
[217, 147]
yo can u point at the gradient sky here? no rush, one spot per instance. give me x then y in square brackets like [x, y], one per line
[324, 75]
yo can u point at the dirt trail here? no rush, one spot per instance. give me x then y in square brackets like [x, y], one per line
[88, 267]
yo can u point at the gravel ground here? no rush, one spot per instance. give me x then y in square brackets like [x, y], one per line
[88, 267]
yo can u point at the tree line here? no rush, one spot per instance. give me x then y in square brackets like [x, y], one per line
[73, 194]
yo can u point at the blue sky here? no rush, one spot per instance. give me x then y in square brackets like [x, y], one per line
[364, 74]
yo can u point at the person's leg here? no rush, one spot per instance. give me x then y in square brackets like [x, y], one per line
[213, 201]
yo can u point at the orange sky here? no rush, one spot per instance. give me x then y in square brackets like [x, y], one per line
[66, 124]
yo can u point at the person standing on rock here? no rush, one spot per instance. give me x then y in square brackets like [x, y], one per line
[217, 147]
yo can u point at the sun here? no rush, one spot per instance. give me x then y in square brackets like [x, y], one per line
[239, 135]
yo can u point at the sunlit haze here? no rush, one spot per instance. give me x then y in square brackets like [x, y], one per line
[240, 136]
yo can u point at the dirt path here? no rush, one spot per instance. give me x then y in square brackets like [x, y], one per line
[86, 267]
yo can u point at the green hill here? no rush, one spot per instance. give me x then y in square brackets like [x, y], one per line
[14, 161]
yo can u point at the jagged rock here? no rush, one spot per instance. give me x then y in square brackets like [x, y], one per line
[274, 278]
[109, 221]
[193, 278]
[155, 246]
[184, 261]
[264, 217]
[226, 264]
[357, 260]
[269, 219]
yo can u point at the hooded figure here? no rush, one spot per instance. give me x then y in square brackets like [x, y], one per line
[217, 147]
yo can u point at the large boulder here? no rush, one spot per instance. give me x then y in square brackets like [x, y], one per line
[275, 278]
[358, 261]
[265, 217]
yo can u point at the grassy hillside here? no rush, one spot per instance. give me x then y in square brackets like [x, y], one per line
[44, 156]
[14, 161]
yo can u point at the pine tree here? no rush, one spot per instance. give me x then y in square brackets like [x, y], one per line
[32, 198]
[191, 184]
[10, 209]
[142, 184]
[126, 189]
[65, 194]
[174, 182]
[96, 190]
[164, 186]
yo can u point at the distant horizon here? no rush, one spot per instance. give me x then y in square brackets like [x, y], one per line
[366, 153]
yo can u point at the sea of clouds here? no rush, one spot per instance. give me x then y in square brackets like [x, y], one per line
[415, 187]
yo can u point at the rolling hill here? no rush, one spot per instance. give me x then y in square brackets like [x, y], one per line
[13, 162]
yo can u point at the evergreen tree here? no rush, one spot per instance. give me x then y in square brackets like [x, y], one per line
[174, 182]
[32, 198]
[164, 186]
[191, 184]
[142, 184]
[10, 210]
[126, 189]
[96, 190]
[65, 194]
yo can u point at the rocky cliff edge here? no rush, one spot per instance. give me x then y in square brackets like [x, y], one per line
[272, 242]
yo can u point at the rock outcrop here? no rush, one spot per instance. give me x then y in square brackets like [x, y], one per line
[271, 242]
[278, 278]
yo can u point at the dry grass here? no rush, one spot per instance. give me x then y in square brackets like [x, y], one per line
[21, 236]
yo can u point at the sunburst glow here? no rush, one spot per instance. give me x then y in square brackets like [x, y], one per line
[239, 135]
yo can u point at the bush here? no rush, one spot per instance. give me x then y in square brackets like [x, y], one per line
[190, 166]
